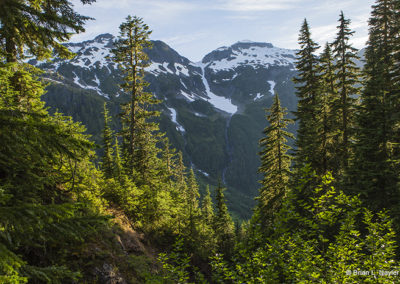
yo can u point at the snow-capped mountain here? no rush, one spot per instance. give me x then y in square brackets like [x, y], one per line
[213, 110]
[247, 53]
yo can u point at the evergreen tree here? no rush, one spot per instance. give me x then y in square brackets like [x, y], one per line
[38, 27]
[192, 204]
[138, 130]
[347, 74]
[395, 96]
[308, 92]
[117, 162]
[107, 160]
[223, 224]
[207, 233]
[332, 235]
[275, 161]
[168, 155]
[44, 164]
[180, 174]
[207, 210]
[374, 175]
[327, 117]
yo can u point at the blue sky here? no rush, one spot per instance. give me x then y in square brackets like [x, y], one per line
[196, 27]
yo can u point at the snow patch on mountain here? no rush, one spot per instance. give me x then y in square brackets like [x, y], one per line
[54, 81]
[258, 96]
[218, 102]
[157, 68]
[204, 173]
[174, 120]
[188, 96]
[76, 81]
[96, 80]
[74, 48]
[254, 56]
[181, 69]
[199, 114]
[88, 87]
[272, 87]
[92, 53]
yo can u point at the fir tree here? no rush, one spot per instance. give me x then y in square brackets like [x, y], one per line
[207, 231]
[347, 74]
[192, 203]
[138, 131]
[180, 174]
[107, 160]
[275, 161]
[207, 210]
[395, 95]
[44, 162]
[373, 174]
[308, 90]
[38, 27]
[327, 117]
[223, 224]
[117, 162]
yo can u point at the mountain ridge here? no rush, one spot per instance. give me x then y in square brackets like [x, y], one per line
[214, 115]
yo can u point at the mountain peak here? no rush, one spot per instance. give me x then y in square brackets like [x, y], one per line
[104, 36]
[248, 53]
[247, 44]
[245, 41]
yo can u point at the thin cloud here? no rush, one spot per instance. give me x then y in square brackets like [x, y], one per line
[176, 5]
[184, 38]
[195, 27]
[255, 5]
[324, 34]
[243, 17]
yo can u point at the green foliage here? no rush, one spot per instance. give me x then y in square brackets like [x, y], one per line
[107, 164]
[347, 78]
[52, 196]
[307, 85]
[275, 162]
[10, 265]
[138, 129]
[374, 173]
[328, 136]
[44, 171]
[175, 264]
[223, 224]
[207, 210]
[319, 242]
[40, 26]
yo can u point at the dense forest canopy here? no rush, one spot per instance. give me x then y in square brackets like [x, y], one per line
[327, 210]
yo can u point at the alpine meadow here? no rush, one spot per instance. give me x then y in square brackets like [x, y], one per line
[122, 161]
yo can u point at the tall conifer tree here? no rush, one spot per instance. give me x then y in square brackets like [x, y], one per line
[207, 210]
[192, 203]
[374, 175]
[308, 88]
[117, 162]
[275, 161]
[223, 224]
[395, 95]
[207, 217]
[347, 74]
[327, 118]
[107, 160]
[138, 131]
